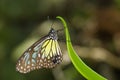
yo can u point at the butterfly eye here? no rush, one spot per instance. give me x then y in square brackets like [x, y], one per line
[45, 53]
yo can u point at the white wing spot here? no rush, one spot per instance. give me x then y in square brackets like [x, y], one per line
[19, 64]
[21, 71]
[21, 67]
[32, 64]
[28, 66]
[29, 49]
[24, 69]
[39, 55]
[17, 68]
[41, 60]
[41, 64]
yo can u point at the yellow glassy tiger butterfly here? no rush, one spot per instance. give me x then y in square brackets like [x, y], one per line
[45, 53]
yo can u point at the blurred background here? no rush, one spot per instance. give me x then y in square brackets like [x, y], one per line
[94, 26]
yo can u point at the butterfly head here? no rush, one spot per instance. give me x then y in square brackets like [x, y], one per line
[53, 34]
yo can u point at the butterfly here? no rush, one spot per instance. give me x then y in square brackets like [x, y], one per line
[44, 53]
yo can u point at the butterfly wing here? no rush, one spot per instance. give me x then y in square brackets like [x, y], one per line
[45, 53]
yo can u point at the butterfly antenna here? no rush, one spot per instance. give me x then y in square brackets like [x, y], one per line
[52, 24]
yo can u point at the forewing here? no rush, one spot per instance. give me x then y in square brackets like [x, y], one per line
[28, 61]
[45, 53]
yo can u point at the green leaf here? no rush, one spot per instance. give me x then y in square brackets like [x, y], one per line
[81, 67]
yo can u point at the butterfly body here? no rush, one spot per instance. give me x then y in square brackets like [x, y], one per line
[45, 53]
